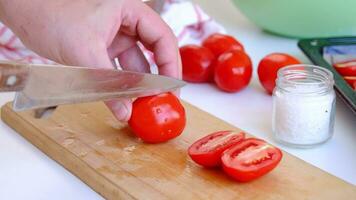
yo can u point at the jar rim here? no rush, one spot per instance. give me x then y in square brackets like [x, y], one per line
[316, 78]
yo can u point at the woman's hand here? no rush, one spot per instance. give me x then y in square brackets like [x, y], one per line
[92, 33]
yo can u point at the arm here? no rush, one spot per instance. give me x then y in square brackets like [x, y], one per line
[92, 33]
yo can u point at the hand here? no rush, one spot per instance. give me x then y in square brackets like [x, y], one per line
[92, 33]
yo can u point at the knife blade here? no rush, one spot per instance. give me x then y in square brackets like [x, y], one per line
[40, 86]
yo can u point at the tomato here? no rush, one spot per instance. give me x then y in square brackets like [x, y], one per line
[351, 80]
[196, 62]
[207, 150]
[269, 66]
[233, 71]
[346, 68]
[157, 118]
[220, 43]
[250, 159]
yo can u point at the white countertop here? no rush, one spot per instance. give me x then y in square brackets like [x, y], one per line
[27, 173]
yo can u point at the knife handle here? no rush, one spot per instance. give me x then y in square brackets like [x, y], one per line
[13, 76]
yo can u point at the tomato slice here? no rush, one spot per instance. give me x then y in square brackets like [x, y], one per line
[346, 68]
[250, 159]
[351, 80]
[207, 150]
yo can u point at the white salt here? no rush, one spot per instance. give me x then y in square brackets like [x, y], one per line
[303, 119]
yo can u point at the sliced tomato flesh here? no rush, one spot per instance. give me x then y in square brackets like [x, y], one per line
[351, 63]
[207, 150]
[254, 155]
[250, 159]
[347, 68]
[351, 80]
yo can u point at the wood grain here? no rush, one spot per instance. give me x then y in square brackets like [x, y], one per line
[88, 141]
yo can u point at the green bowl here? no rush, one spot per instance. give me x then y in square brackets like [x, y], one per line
[302, 18]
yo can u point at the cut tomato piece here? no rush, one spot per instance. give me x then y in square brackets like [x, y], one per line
[250, 159]
[351, 80]
[346, 68]
[207, 151]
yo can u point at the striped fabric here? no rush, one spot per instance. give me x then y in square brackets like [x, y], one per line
[11, 48]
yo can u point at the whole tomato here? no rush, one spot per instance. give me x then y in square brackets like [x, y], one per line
[269, 66]
[157, 118]
[219, 43]
[233, 71]
[196, 62]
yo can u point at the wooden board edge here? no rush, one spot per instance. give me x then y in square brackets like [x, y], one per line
[72, 163]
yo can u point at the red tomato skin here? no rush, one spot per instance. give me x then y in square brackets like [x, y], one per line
[346, 68]
[157, 118]
[212, 158]
[245, 175]
[351, 80]
[196, 62]
[269, 66]
[220, 43]
[233, 71]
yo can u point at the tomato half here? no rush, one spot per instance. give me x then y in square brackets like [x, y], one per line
[250, 159]
[157, 118]
[196, 62]
[351, 80]
[233, 71]
[220, 43]
[346, 68]
[207, 150]
[269, 66]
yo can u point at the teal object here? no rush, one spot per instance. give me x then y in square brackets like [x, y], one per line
[313, 49]
[302, 18]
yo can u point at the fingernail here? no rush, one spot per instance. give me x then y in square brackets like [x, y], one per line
[120, 111]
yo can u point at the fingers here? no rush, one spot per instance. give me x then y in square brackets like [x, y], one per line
[131, 58]
[121, 43]
[155, 34]
[120, 108]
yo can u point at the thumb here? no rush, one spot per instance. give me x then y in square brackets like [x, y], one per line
[121, 108]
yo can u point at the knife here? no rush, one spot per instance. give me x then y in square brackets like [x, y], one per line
[42, 86]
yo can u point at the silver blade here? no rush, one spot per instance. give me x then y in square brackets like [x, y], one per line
[56, 85]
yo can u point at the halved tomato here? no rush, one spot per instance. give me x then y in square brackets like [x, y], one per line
[207, 151]
[346, 68]
[351, 80]
[250, 159]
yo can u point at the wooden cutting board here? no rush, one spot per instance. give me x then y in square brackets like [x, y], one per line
[88, 141]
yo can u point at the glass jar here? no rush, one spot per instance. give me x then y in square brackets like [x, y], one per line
[303, 105]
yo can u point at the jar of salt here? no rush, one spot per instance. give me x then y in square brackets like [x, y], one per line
[303, 105]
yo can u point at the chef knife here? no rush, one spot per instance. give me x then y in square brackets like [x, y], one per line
[41, 86]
